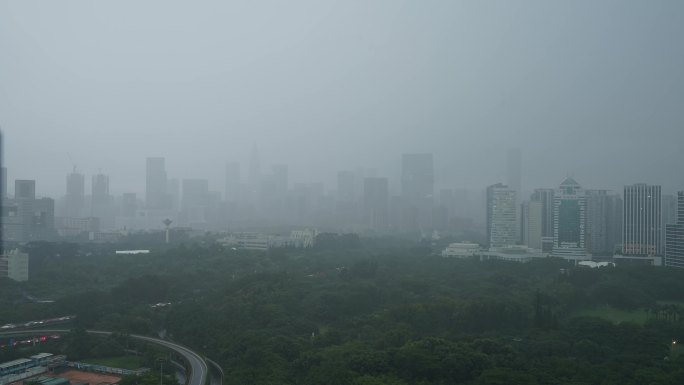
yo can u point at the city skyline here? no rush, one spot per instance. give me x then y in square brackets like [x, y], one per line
[218, 184]
[320, 89]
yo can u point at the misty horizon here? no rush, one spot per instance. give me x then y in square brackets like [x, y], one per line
[586, 89]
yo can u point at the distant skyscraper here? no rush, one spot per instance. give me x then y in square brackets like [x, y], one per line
[74, 200]
[603, 222]
[642, 220]
[26, 218]
[100, 189]
[232, 191]
[669, 215]
[417, 190]
[545, 196]
[155, 186]
[674, 237]
[615, 207]
[669, 204]
[376, 202]
[569, 210]
[532, 224]
[101, 205]
[597, 217]
[502, 219]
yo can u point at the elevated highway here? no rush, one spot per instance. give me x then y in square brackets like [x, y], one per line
[199, 371]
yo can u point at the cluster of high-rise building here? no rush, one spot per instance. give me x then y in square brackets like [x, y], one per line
[567, 221]
[577, 224]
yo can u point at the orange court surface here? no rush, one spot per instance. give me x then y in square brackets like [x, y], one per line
[75, 377]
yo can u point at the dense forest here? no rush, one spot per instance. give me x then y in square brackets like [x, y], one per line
[371, 311]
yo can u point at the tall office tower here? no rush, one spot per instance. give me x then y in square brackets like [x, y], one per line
[376, 203]
[597, 218]
[669, 215]
[502, 216]
[254, 176]
[532, 224]
[569, 210]
[100, 189]
[155, 184]
[417, 189]
[232, 192]
[26, 218]
[102, 206]
[669, 204]
[545, 196]
[19, 211]
[74, 201]
[642, 220]
[674, 237]
[615, 207]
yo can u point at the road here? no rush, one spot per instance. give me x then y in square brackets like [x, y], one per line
[198, 367]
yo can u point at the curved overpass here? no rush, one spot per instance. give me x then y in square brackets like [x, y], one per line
[198, 367]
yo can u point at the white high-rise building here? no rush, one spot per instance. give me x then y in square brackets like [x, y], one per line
[642, 220]
[533, 224]
[502, 218]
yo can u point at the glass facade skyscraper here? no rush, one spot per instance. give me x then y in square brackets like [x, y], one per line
[569, 219]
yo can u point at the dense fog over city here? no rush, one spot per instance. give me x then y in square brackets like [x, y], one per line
[591, 89]
[353, 192]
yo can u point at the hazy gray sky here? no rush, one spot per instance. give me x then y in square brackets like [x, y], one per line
[595, 88]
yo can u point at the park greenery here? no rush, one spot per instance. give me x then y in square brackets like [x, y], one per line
[365, 311]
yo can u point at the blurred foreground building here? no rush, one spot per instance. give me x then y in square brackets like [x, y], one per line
[15, 266]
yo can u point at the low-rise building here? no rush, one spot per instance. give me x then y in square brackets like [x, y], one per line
[461, 250]
[303, 238]
[514, 253]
